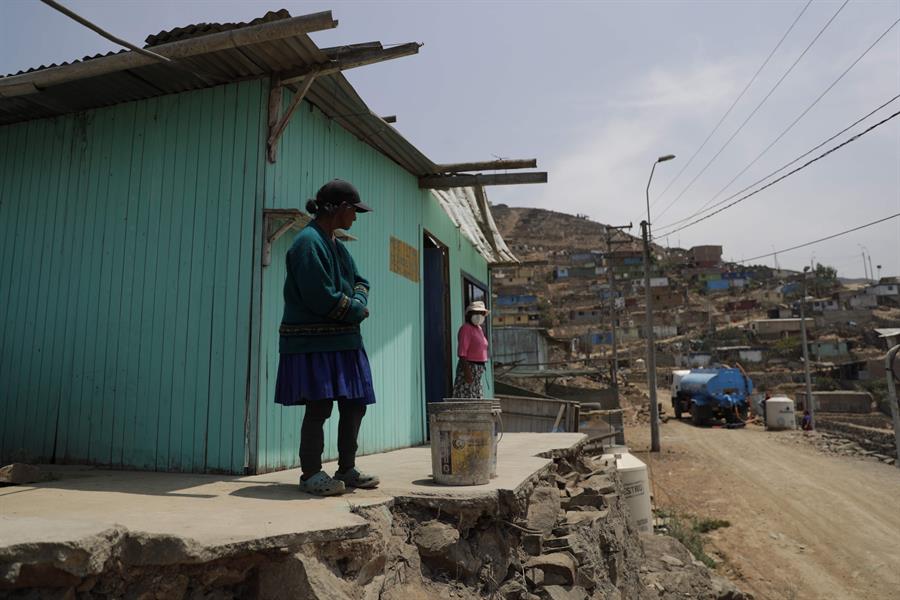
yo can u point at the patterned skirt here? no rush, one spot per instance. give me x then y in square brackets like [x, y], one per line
[462, 389]
[339, 375]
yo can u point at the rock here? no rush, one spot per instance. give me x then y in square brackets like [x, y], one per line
[300, 576]
[20, 474]
[558, 568]
[575, 517]
[543, 509]
[567, 541]
[671, 560]
[598, 485]
[535, 576]
[722, 589]
[558, 592]
[433, 538]
[532, 544]
[512, 590]
[442, 549]
[585, 577]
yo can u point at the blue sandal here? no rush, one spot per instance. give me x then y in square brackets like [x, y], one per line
[355, 479]
[321, 484]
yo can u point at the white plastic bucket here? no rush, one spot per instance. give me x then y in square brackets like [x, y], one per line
[461, 442]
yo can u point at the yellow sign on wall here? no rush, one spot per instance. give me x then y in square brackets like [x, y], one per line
[404, 260]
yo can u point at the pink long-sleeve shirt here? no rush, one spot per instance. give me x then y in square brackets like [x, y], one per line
[473, 344]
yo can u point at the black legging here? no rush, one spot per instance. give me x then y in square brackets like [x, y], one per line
[312, 434]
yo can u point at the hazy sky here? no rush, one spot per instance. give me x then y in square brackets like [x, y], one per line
[596, 91]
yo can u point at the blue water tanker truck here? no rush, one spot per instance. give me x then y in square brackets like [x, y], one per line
[715, 393]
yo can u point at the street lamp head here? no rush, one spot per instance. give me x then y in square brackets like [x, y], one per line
[665, 158]
[806, 269]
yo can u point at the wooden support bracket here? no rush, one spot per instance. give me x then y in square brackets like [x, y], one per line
[277, 124]
[276, 222]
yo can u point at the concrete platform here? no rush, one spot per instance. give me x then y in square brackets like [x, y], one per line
[211, 516]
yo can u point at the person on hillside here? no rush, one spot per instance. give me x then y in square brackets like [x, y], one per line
[806, 421]
[322, 356]
[763, 403]
[472, 350]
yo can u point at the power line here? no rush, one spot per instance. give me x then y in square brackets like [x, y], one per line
[755, 110]
[800, 116]
[786, 175]
[783, 167]
[733, 104]
[76, 17]
[828, 237]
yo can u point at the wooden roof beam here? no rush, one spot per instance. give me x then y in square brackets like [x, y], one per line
[34, 81]
[350, 60]
[452, 181]
[490, 165]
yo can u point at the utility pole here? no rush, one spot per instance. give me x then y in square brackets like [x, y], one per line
[892, 398]
[651, 345]
[811, 405]
[871, 272]
[613, 311]
[865, 271]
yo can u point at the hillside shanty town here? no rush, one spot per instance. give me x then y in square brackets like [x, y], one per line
[636, 336]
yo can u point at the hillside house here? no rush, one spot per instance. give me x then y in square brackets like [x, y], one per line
[743, 354]
[774, 328]
[827, 349]
[861, 299]
[820, 305]
[520, 345]
[743, 304]
[666, 299]
[142, 213]
[587, 315]
[706, 256]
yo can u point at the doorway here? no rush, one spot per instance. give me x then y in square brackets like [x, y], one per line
[438, 347]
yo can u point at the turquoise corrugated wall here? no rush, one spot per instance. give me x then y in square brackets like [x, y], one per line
[127, 241]
[312, 151]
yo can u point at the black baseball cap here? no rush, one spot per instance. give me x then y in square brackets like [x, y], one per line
[338, 191]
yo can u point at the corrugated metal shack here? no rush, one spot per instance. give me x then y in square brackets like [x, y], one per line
[142, 212]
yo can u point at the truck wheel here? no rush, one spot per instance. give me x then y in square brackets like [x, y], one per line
[676, 406]
[744, 411]
[697, 417]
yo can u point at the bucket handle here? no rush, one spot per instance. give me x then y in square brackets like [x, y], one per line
[500, 421]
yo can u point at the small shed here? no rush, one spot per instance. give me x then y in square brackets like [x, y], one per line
[143, 213]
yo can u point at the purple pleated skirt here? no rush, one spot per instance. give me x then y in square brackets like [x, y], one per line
[339, 375]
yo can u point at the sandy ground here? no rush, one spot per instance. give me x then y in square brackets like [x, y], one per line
[804, 525]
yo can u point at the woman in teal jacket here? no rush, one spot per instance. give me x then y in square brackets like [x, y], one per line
[322, 355]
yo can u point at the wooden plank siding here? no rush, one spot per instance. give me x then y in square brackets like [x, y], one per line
[138, 328]
[127, 248]
[313, 150]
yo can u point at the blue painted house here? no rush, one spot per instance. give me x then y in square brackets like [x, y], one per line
[145, 210]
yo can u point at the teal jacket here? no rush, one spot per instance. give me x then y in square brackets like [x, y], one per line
[324, 296]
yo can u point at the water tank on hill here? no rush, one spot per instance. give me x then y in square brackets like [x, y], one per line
[780, 413]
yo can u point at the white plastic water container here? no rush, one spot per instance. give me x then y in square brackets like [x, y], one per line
[780, 413]
[633, 473]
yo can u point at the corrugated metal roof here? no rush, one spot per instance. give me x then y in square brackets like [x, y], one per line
[333, 94]
[473, 217]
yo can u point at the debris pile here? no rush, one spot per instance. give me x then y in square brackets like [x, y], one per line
[562, 535]
[838, 445]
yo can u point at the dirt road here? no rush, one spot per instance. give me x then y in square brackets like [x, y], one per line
[804, 525]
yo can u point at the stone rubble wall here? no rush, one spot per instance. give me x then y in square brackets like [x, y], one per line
[564, 535]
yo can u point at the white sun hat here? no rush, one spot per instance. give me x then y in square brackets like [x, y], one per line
[477, 307]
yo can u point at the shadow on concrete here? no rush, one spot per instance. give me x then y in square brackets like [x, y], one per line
[144, 483]
[279, 491]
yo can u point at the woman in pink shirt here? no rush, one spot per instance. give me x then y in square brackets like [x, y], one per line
[472, 352]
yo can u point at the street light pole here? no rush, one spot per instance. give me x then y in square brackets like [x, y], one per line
[648, 300]
[810, 403]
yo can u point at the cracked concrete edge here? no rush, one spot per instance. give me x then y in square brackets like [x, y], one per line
[91, 555]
